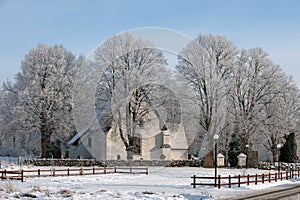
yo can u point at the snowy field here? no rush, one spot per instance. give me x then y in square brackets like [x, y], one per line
[161, 183]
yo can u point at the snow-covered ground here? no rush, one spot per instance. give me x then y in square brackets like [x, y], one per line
[161, 183]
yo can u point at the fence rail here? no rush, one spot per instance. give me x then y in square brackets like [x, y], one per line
[24, 173]
[239, 180]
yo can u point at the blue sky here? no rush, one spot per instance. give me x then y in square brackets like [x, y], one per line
[81, 25]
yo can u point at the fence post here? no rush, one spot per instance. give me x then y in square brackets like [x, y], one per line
[104, 170]
[287, 175]
[281, 176]
[229, 181]
[53, 172]
[255, 179]
[81, 171]
[22, 175]
[248, 179]
[68, 170]
[239, 180]
[147, 172]
[269, 177]
[39, 172]
[219, 182]
[276, 176]
[93, 170]
[130, 170]
[263, 178]
[115, 169]
[194, 181]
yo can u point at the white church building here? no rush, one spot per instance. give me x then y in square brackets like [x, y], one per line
[155, 144]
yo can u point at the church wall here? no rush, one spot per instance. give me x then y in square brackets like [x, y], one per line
[80, 151]
[115, 148]
[90, 146]
[98, 147]
[151, 138]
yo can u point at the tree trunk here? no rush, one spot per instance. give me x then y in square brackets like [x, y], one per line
[45, 139]
[129, 153]
[275, 155]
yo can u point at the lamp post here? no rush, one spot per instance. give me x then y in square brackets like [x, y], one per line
[247, 159]
[278, 160]
[216, 137]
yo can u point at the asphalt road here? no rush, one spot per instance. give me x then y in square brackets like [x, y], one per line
[284, 192]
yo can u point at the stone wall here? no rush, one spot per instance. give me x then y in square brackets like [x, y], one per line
[154, 163]
[113, 163]
[63, 162]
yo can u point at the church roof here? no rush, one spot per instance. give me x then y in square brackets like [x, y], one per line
[78, 136]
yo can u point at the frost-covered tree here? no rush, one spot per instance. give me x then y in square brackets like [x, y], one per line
[44, 97]
[129, 68]
[252, 84]
[263, 100]
[206, 63]
[9, 125]
[280, 114]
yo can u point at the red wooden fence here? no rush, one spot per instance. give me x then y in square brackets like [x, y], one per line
[239, 180]
[22, 174]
